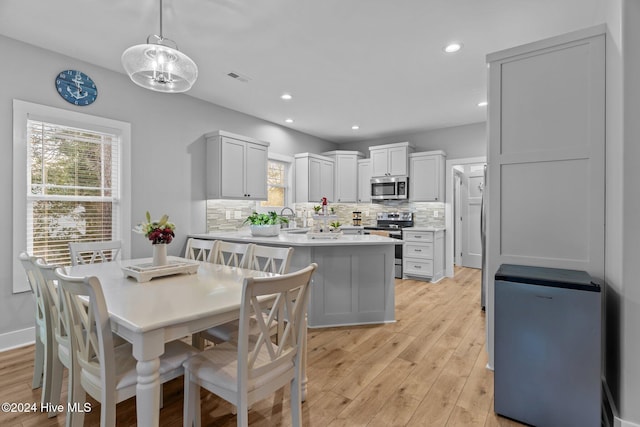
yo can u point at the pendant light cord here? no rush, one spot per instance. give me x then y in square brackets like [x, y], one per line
[161, 37]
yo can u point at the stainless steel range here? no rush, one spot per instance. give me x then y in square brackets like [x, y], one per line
[391, 224]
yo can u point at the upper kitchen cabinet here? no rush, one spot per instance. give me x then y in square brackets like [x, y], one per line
[314, 178]
[364, 181]
[390, 159]
[236, 167]
[346, 174]
[426, 176]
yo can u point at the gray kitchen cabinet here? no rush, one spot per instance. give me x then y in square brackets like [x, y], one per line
[314, 178]
[546, 157]
[345, 175]
[426, 176]
[390, 159]
[423, 253]
[236, 167]
[364, 181]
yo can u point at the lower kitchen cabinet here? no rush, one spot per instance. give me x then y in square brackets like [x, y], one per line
[423, 253]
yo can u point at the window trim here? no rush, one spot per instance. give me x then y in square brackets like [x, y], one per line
[23, 111]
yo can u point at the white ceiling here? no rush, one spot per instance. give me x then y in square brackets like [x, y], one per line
[377, 63]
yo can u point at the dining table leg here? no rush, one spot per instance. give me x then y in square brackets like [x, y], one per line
[147, 351]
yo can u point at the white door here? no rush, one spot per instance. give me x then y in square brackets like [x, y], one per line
[471, 201]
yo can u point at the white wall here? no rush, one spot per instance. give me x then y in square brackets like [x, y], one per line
[614, 201]
[167, 149]
[458, 141]
[622, 251]
[630, 313]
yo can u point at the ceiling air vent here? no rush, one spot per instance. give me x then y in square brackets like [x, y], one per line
[238, 77]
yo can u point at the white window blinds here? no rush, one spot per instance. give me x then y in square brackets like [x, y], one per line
[72, 188]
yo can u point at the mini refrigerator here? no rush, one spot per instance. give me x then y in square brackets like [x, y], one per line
[547, 346]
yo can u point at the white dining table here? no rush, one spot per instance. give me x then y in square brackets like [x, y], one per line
[150, 314]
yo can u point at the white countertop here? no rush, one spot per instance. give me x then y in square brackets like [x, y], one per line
[292, 239]
[424, 228]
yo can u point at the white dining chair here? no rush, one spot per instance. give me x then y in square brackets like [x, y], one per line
[106, 372]
[232, 254]
[43, 358]
[200, 249]
[255, 367]
[270, 259]
[92, 252]
[263, 258]
[61, 342]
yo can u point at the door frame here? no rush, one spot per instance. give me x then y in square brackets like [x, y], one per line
[449, 208]
[457, 208]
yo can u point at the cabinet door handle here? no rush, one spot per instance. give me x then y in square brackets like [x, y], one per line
[417, 266]
[417, 250]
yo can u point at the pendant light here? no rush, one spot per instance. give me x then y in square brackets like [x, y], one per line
[159, 65]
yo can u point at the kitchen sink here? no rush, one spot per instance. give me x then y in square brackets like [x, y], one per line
[295, 230]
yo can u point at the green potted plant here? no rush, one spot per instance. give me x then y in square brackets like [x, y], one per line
[335, 226]
[265, 225]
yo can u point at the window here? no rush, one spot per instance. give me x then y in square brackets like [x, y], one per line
[69, 183]
[276, 184]
[279, 183]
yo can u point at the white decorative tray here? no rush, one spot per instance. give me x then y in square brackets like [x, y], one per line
[145, 271]
[324, 235]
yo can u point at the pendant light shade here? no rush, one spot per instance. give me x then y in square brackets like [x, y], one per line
[159, 65]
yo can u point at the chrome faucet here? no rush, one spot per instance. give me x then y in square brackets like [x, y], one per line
[291, 217]
[293, 214]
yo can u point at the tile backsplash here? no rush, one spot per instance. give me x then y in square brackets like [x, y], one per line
[228, 215]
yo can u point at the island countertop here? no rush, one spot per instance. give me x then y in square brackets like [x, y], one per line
[293, 239]
[354, 282]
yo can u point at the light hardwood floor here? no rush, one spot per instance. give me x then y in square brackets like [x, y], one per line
[427, 369]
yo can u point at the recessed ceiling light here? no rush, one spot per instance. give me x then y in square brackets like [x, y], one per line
[355, 127]
[288, 120]
[286, 96]
[483, 104]
[453, 47]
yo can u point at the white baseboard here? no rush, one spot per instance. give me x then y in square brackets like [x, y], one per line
[619, 422]
[15, 339]
[608, 400]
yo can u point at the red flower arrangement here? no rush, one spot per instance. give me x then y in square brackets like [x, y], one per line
[159, 232]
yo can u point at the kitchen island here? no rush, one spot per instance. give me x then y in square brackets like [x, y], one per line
[354, 282]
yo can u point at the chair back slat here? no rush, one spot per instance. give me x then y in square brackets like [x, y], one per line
[289, 301]
[89, 325]
[200, 249]
[40, 294]
[61, 327]
[232, 254]
[92, 252]
[271, 259]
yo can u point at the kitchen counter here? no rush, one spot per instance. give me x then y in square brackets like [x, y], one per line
[295, 239]
[354, 282]
[424, 229]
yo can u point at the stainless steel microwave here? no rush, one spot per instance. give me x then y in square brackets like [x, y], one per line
[390, 188]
